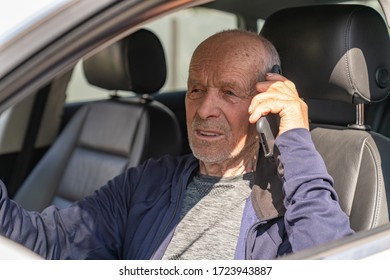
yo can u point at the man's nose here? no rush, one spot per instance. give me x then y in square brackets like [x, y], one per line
[210, 105]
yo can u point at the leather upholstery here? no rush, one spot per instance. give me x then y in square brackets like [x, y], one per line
[354, 46]
[359, 165]
[105, 138]
[339, 59]
[137, 64]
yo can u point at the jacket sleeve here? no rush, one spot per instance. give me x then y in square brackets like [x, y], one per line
[313, 214]
[90, 228]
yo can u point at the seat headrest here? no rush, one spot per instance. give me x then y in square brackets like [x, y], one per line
[135, 63]
[333, 52]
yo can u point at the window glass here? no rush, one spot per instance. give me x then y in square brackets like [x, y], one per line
[260, 23]
[179, 33]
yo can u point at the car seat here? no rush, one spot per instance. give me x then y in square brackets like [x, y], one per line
[104, 138]
[339, 57]
[28, 128]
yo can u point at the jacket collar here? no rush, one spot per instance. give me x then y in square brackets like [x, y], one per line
[267, 192]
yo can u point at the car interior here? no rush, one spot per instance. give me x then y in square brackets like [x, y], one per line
[104, 138]
[69, 149]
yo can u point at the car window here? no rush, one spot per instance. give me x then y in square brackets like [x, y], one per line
[17, 18]
[179, 33]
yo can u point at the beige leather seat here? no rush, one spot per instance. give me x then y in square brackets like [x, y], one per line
[339, 62]
[105, 138]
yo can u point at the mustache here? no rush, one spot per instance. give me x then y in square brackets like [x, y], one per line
[210, 124]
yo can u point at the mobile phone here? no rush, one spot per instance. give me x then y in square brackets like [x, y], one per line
[268, 127]
[276, 69]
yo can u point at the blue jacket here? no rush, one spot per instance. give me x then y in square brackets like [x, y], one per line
[134, 215]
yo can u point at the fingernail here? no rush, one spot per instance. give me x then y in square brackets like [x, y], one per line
[269, 74]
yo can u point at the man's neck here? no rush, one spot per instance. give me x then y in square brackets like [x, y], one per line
[228, 168]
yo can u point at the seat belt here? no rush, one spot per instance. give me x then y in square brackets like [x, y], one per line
[24, 158]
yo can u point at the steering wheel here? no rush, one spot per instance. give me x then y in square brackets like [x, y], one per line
[10, 250]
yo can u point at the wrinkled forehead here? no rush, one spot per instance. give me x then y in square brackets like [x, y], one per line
[229, 50]
[239, 46]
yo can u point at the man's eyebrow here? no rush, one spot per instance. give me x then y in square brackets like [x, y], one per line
[193, 81]
[236, 86]
[230, 84]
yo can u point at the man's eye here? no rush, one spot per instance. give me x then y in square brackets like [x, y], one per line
[230, 93]
[231, 96]
[195, 93]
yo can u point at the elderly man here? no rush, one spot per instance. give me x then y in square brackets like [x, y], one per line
[203, 205]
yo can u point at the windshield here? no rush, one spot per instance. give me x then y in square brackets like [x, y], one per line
[17, 15]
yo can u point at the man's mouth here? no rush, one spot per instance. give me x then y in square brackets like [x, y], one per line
[208, 134]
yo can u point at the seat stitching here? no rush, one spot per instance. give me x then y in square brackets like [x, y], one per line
[379, 183]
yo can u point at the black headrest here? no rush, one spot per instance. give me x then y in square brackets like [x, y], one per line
[333, 52]
[135, 63]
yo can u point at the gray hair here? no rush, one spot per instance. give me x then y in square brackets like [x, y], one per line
[273, 55]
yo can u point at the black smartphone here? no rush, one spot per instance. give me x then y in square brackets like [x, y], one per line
[268, 127]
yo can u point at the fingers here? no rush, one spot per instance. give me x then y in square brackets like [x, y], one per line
[266, 105]
[279, 83]
[278, 95]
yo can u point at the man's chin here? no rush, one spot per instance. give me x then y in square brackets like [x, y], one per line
[211, 158]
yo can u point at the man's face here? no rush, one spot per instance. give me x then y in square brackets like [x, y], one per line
[220, 87]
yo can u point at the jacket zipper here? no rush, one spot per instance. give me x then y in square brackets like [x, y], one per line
[173, 216]
[168, 224]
